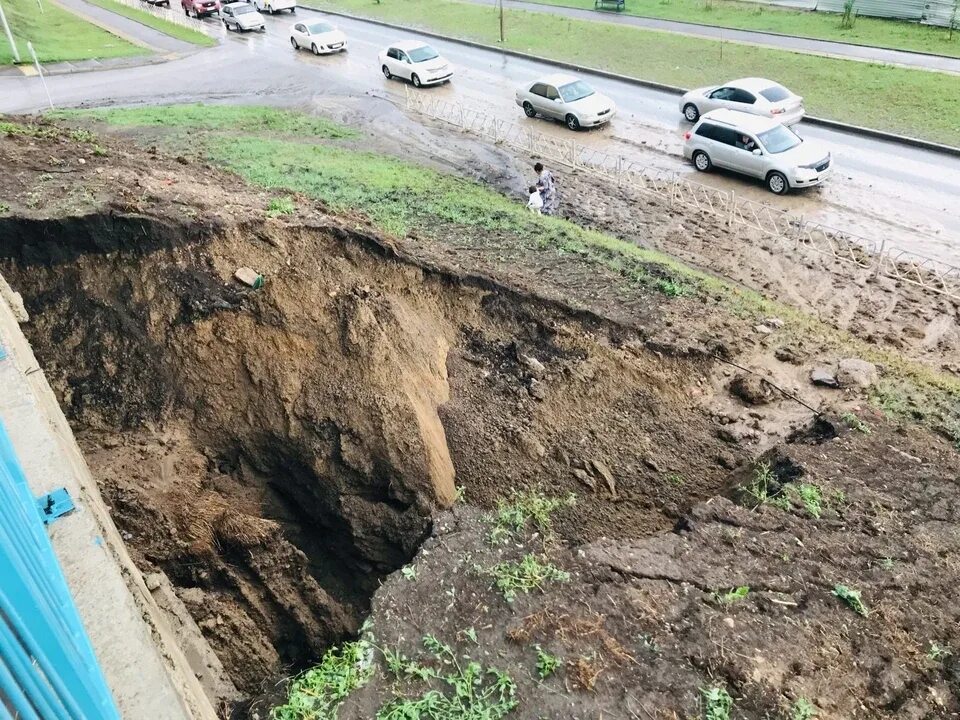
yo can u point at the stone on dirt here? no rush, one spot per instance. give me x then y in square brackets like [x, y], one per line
[603, 473]
[753, 390]
[854, 372]
[536, 368]
[249, 276]
[585, 478]
[824, 377]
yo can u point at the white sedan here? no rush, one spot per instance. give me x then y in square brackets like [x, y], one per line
[756, 96]
[415, 61]
[241, 17]
[275, 6]
[564, 97]
[319, 35]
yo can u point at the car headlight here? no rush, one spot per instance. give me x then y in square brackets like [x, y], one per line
[804, 174]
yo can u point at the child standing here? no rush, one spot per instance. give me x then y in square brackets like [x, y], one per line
[535, 203]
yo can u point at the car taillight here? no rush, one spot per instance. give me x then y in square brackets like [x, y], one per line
[687, 136]
[777, 111]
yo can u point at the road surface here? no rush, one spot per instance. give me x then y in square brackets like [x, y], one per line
[881, 190]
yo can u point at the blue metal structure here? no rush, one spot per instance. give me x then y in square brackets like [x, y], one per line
[48, 670]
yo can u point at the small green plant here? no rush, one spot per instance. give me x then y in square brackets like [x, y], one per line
[886, 563]
[99, 151]
[4, 208]
[675, 479]
[855, 423]
[409, 572]
[852, 598]
[547, 664]
[512, 515]
[759, 487]
[803, 709]
[717, 703]
[456, 692]
[525, 576]
[461, 493]
[938, 653]
[319, 692]
[82, 136]
[471, 634]
[849, 17]
[280, 206]
[734, 595]
[674, 288]
[811, 497]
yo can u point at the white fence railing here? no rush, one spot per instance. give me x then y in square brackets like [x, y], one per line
[787, 229]
[170, 14]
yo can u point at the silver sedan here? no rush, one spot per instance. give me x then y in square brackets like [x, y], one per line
[756, 96]
[564, 97]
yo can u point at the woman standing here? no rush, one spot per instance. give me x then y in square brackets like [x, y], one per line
[548, 189]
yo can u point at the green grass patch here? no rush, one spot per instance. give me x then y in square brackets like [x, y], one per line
[280, 206]
[732, 596]
[167, 28]
[852, 598]
[525, 576]
[58, 35]
[717, 703]
[547, 664]
[319, 692]
[890, 98]
[803, 709]
[533, 507]
[799, 23]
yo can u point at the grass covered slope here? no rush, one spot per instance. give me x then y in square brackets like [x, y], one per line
[168, 28]
[58, 35]
[877, 32]
[913, 102]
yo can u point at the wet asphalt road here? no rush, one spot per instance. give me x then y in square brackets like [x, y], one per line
[880, 189]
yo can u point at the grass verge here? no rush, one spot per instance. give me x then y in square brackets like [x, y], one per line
[300, 153]
[878, 32]
[167, 28]
[58, 35]
[895, 99]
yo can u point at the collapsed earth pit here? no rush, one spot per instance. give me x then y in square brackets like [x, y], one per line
[276, 452]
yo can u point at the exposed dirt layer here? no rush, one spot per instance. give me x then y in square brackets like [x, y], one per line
[643, 626]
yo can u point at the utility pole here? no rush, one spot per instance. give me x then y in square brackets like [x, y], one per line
[501, 22]
[6, 29]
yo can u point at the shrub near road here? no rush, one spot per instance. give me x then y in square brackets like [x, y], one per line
[58, 35]
[914, 102]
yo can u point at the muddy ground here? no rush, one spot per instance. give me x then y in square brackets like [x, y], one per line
[277, 458]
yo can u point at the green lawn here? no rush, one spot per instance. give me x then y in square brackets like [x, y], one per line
[824, 26]
[141, 16]
[889, 98]
[58, 35]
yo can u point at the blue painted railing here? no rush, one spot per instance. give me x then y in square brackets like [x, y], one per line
[47, 667]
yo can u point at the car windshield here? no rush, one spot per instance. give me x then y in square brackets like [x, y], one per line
[779, 139]
[422, 54]
[777, 93]
[243, 9]
[575, 91]
[318, 28]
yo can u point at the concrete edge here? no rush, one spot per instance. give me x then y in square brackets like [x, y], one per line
[771, 33]
[833, 124]
[179, 671]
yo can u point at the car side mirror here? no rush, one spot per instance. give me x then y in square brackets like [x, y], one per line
[558, 100]
[757, 151]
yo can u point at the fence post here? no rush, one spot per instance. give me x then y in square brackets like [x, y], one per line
[733, 208]
[43, 80]
[876, 269]
[6, 29]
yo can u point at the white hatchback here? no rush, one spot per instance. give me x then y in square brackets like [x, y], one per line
[759, 147]
[757, 96]
[415, 61]
[319, 36]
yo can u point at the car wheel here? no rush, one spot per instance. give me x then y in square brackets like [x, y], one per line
[293, 11]
[777, 183]
[186, 12]
[415, 79]
[691, 113]
[701, 161]
[386, 72]
[529, 110]
[313, 47]
[293, 41]
[572, 122]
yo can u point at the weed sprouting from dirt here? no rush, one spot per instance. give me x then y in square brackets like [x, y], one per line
[525, 576]
[11, 128]
[937, 652]
[82, 136]
[811, 497]
[759, 489]
[855, 423]
[852, 598]
[4, 208]
[674, 288]
[281, 206]
[319, 692]
[409, 572]
[675, 479]
[532, 506]
[547, 664]
[732, 596]
[457, 691]
[717, 703]
[803, 709]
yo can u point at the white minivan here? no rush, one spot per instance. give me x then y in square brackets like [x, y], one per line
[757, 146]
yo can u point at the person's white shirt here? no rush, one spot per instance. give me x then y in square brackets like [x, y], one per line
[535, 203]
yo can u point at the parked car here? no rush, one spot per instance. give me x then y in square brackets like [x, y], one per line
[564, 97]
[200, 8]
[158, 2]
[320, 36]
[242, 16]
[415, 61]
[752, 95]
[759, 147]
[275, 6]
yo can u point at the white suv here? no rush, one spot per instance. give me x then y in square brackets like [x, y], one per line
[756, 146]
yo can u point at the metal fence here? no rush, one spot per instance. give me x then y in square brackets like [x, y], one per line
[170, 15]
[929, 12]
[48, 670]
[786, 229]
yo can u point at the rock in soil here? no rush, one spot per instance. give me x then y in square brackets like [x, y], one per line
[824, 377]
[752, 389]
[854, 372]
